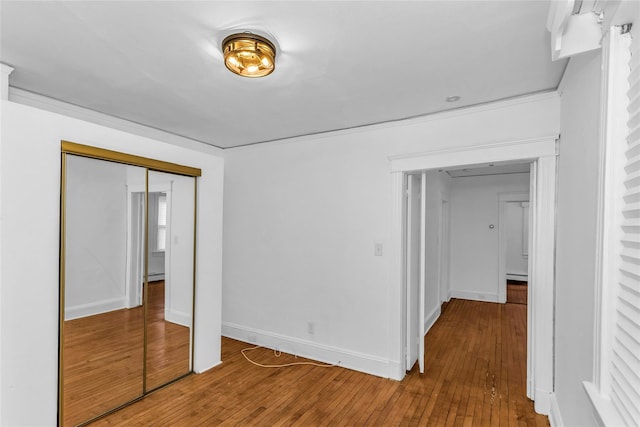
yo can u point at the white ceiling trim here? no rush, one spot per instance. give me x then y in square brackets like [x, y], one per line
[24, 97]
[411, 121]
[501, 151]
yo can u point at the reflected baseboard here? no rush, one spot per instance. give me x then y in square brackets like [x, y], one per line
[94, 308]
[178, 317]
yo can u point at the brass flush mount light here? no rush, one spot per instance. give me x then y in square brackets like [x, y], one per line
[249, 55]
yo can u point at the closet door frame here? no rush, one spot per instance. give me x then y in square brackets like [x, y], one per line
[72, 148]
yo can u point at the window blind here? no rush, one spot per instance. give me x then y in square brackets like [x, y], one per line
[162, 222]
[625, 359]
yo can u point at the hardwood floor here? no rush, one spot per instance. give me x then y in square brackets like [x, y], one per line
[168, 354]
[516, 292]
[104, 357]
[475, 376]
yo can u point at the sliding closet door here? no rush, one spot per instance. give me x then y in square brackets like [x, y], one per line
[101, 295]
[170, 289]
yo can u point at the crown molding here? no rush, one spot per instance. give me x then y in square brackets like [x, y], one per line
[21, 96]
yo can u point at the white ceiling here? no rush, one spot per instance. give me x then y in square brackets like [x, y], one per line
[339, 64]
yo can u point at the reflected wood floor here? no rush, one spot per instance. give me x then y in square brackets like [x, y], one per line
[168, 351]
[475, 376]
[103, 357]
[516, 292]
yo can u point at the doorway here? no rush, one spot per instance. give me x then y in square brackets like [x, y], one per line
[513, 244]
[541, 152]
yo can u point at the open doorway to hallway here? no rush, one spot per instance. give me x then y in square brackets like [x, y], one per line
[541, 152]
[474, 231]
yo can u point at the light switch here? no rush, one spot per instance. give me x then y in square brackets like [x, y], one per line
[378, 249]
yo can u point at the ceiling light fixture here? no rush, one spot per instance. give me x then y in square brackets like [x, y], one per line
[249, 55]
[453, 98]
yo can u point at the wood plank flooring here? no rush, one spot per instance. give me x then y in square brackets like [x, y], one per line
[475, 376]
[103, 357]
[516, 292]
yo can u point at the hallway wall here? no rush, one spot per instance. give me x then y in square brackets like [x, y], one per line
[474, 244]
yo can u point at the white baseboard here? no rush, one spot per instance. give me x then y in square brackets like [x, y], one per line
[90, 309]
[474, 296]
[542, 401]
[555, 419]
[198, 370]
[345, 358]
[431, 319]
[178, 317]
[517, 277]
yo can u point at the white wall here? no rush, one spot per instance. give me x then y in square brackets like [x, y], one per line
[576, 243]
[30, 178]
[438, 188]
[474, 245]
[302, 218]
[516, 260]
[96, 209]
[180, 240]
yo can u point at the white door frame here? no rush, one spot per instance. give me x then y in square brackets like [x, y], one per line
[135, 261]
[412, 279]
[443, 249]
[135, 249]
[542, 152]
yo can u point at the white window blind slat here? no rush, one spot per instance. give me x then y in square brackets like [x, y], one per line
[162, 210]
[635, 135]
[630, 253]
[623, 401]
[631, 226]
[162, 223]
[625, 359]
[629, 283]
[631, 210]
[628, 378]
[628, 325]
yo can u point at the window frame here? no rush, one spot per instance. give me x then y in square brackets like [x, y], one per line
[614, 128]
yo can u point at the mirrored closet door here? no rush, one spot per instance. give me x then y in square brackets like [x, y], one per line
[127, 262]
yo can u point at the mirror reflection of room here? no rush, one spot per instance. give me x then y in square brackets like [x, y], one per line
[170, 297]
[103, 315]
[127, 284]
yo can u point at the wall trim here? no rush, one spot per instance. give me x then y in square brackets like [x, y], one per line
[178, 317]
[92, 308]
[431, 318]
[473, 295]
[555, 419]
[489, 152]
[42, 102]
[311, 350]
[409, 121]
[205, 369]
[542, 401]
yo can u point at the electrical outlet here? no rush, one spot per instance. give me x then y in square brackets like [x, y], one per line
[311, 328]
[253, 338]
[378, 249]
